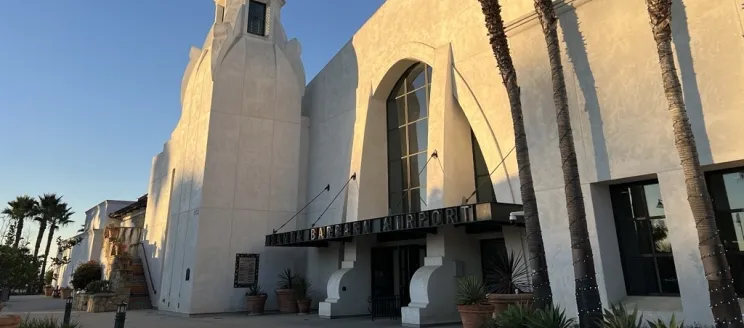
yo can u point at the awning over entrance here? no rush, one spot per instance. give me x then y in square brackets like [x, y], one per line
[474, 216]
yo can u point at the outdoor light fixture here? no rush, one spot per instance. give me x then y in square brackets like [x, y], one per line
[121, 308]
[68, 311]
[659, 204]
[68, 300]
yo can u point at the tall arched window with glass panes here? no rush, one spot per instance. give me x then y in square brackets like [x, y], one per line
[407, 113]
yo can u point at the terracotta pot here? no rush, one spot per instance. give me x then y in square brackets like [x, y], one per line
[286, 300]
[10, 321]
[66, 292]
[255, 304]
[503, 301]
[48, 290]
[304, 306]
[474, 316]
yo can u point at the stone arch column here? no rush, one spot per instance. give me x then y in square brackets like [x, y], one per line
[349, 287]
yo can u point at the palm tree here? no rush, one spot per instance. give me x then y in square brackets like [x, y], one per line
[587, 294]
[44, 210]
[537, 263]
[61, 217]
[19, 210]
[723, 299]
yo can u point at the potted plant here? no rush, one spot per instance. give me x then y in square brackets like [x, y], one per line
[472, 302]
[48, 277]
[9, 321]
[285, 293]
[66, 292]
[507, 282]
[302, 293]
[255, 299]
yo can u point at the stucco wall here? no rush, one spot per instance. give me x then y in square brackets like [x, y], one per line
[618, 111]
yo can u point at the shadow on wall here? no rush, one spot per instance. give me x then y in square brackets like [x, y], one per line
[691, 93]
[576, 51]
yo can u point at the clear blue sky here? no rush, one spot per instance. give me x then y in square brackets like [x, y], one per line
[89, 90]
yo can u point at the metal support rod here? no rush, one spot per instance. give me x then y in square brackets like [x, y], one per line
[121, 315]
[68, 312]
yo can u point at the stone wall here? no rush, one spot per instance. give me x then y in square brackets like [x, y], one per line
[103, 302]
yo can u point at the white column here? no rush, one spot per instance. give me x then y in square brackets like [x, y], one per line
[349, 287]
[449, 179]
[693, 287]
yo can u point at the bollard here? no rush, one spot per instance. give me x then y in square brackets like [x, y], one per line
[121, 315]
[68, 311]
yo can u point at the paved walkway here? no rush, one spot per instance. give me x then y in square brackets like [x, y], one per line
[40, 306]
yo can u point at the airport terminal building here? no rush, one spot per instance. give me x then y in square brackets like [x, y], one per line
[403, 148]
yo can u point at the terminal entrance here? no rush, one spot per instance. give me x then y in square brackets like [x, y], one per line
[392, 270]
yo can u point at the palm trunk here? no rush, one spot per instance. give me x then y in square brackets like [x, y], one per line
[19, 230]
[587, 294]
[537, 263]
[723, 298]
[50, 237]
[39, 237]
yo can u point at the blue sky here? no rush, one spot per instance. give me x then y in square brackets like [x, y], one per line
[89, 90]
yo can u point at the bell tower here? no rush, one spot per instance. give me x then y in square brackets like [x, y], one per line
[230, 172]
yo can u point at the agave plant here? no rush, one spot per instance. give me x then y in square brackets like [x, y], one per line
[255, 290]
[287, 279]
[619, 317]
[515, 316]
[303, 288]
[470, 291]
[550, 317]
[661, 324]
[507, 274]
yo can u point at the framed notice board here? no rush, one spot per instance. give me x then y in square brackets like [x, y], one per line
[246, 270]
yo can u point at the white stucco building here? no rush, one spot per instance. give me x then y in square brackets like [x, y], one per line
[410, 117]
[91, 240]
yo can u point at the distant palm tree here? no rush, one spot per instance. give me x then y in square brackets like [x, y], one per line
[587, 294]
[19, 210]
[537, 262]
[61, 217]
[723, 300]
[44, 211]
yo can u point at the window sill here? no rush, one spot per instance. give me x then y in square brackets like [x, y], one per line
[658, 303]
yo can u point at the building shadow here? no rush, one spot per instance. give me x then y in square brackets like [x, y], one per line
[577, 55]
[691, 92]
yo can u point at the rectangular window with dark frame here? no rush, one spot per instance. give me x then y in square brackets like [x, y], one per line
[257, 18]
[726, 190]
[645, 250]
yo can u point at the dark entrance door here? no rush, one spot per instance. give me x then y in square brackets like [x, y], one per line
[409, 260]
[392, 270]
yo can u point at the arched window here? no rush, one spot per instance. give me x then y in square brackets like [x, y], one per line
[407, 112]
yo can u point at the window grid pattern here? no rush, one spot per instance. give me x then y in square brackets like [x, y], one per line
[257, 18]
[407, 129]
[646, 253]
[726, 189]
[484, 187]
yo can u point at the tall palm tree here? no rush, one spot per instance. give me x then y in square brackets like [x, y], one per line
[44, 210]
[587, 294]
[61, 217]
[19, 210]
[499, 44]
[723, 299]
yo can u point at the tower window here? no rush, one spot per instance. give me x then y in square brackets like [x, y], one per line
[257, 18]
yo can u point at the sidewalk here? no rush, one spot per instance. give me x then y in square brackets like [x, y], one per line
[40, 306]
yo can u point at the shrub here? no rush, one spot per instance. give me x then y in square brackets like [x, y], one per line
[550, 317]
[98, 286]
[287, 279]
[662, 324]
[619, 317]
[515, 316]
[86, 273]
[48, 277]
[46, 322]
